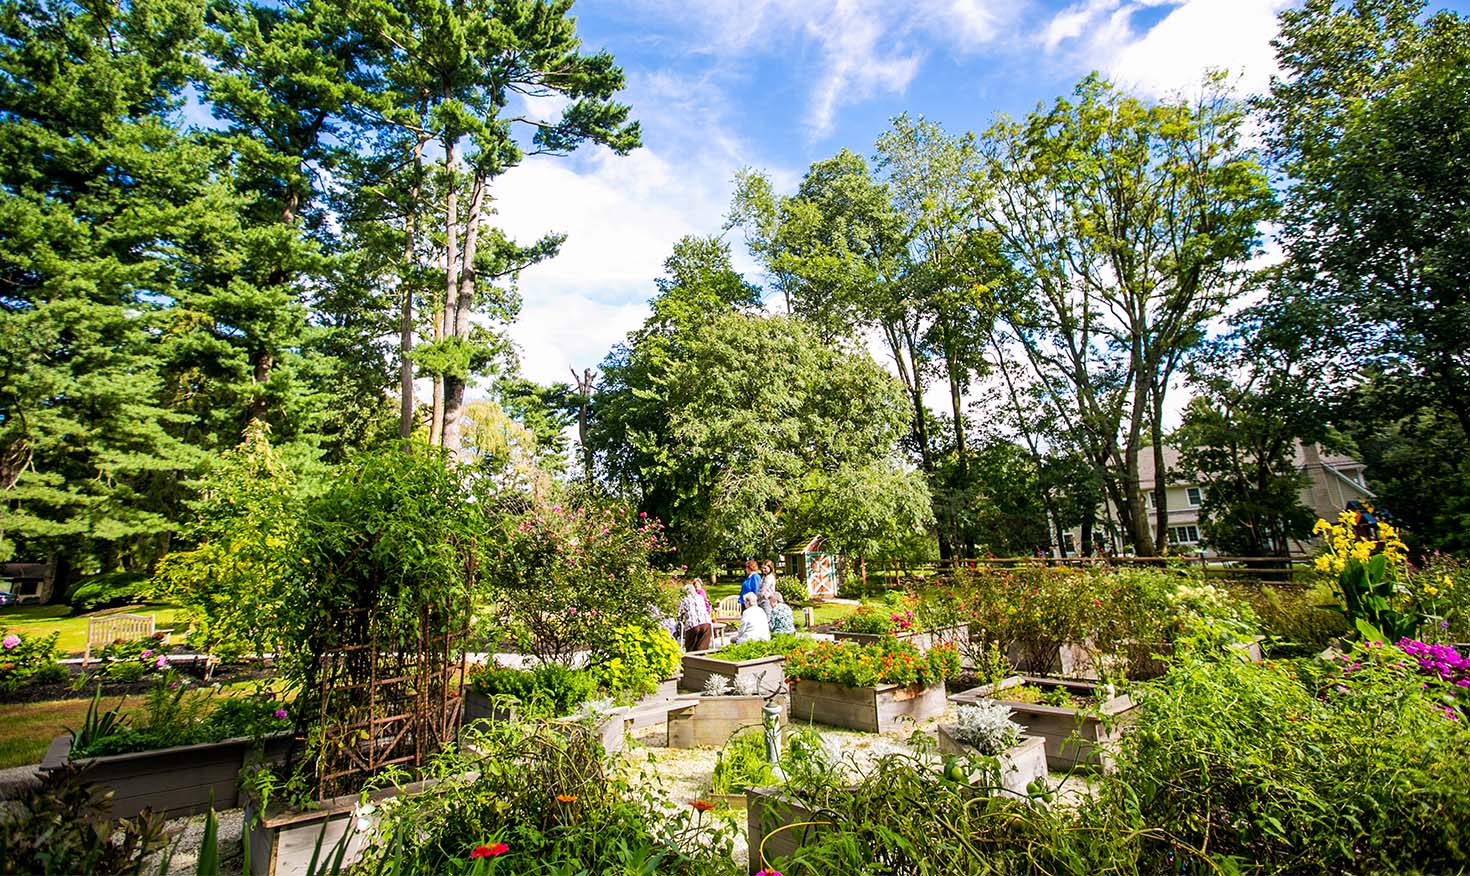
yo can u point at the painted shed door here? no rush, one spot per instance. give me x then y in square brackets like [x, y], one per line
[821, 577]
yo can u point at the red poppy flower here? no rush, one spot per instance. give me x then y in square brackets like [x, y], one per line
[489, 851]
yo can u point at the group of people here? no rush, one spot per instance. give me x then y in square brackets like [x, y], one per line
[763, 612]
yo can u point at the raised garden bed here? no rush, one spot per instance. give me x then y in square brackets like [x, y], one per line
[172, 782]
[284, 842]
[714, 720]
[1020, 765]
[777, 825]
[1074, 736]
[768, 674]
[876, 709]
[958, 635]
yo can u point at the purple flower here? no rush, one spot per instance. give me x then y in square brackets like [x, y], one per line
[161, 662]
[11, 641]
[281, 713]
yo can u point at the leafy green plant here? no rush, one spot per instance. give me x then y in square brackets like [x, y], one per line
[1368, 570]
[987, 727]
[97, 724]
[634, 659]
[782, 643]
[793, 591]
[547, 691]
[107, 590]
[63, 827]
[742, 763]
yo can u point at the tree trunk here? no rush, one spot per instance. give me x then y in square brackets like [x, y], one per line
[464, 305]
[584, 411]
[451, 287]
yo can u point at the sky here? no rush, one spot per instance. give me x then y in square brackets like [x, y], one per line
[775, 85]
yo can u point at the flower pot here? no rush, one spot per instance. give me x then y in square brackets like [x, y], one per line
[172, 782]
[958, 635]
[873, 709]
[715, 719]
[767, 673]
[1019, 765]
[1073, 736]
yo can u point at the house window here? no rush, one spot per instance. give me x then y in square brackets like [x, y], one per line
[1184, 534]
[1194, 496]
[1149, 499]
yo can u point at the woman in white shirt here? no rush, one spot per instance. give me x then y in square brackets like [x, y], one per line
[754, 626]
[768, 585]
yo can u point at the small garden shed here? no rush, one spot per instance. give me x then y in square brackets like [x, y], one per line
[808, 561]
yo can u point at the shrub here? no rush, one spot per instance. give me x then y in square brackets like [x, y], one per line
[635, 659]
[108, 590]
[781, 643]
[742, 762]
[876, 621]
[568, 577]
[792, 590]
[1294, 620]
[129, 660]
[890, 661]
[1265, 764]
[987, 727]
[549, 690]
[25, 657]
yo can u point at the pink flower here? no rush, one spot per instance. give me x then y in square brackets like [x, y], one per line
[572, 610]
[147, 652]
[161, 662]
[11, 641]
[281, 713]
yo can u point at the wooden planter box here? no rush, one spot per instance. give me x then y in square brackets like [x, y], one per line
[772, 818]
[172, 782]
[1019, 765]
[1098, 729]
[768, 673]
[714, 720]
[283, 842]
[874, 709]
[958, 635]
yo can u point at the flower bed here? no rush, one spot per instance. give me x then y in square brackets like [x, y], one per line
[958, 635]
[172, 782]
[761, 674]
[1074, 735]
[869, 687]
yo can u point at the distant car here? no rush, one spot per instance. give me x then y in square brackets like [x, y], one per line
[7, 598]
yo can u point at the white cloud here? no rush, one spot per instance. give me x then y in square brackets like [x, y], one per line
[859, 49]
[1173, 55]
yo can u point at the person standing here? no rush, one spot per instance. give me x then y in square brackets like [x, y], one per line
[754, 625]
[693, 621]
[752, 584]
[780, 616]
[768, 586]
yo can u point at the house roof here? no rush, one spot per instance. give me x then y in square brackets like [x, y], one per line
[1335, 462]
[807, 545]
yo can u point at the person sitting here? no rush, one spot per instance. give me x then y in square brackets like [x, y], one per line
[694, 622]
[752, 582]
[754, 627]
[780, 616]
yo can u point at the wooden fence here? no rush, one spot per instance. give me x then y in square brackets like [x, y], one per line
[1257, 570]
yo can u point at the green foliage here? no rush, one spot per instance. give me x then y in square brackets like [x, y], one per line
[233, 583]
[98, 725]
[1265, 764]
[564, 578]
[63, 827]
[557, 805]
[781, 643]
[128, 660]
[1295, 620]
[793, 591]
[547, 691]
[635, 659]
[177, 713]
[742, 762]
[26, 659]
[875, 621]
[890, 661]
[1442, 587]
[108, 590]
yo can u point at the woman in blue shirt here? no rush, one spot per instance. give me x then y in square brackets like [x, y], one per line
[752, 582]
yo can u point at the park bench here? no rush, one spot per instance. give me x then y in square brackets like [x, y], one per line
[103, 631]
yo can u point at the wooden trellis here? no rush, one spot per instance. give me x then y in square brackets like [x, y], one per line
[387, 699]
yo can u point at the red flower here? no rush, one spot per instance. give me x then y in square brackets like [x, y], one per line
[702, 805]
[489, 851]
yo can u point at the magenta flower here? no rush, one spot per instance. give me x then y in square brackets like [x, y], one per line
[161, 662]
[11, 641]
[281, 713]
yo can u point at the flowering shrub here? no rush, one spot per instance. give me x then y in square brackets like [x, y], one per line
[1368, 577]
[22, 658]
[129, 660]
[890, 661]
[876, 621]
[566, 578]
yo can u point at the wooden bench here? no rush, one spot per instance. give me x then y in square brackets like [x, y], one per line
[103, 631]
[625, 721]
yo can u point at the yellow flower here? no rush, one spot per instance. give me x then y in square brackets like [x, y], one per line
[1324, 563]
[1431, 590]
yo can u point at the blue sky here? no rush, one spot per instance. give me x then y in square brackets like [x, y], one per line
[778, 84]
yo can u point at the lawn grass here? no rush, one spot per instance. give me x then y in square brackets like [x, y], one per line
[28, 620]
[27, 728]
